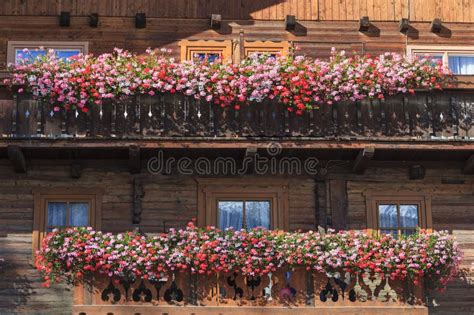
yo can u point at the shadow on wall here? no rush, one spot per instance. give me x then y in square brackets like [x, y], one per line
[21, 288]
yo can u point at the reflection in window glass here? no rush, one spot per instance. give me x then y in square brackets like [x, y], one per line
[33, 54]
[435, 58]
[393, 232]
[209, 56]
[408, 216]
[244, 214]
[388, 217]
[79, 214]
[461, 64]
[257, 214]
[398, 219]
[262, 53]
[231, 214]
[57, 214]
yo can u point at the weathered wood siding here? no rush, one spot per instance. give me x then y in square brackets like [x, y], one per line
[383, 10]
[171, 201]
[313, 38]
[452, 207]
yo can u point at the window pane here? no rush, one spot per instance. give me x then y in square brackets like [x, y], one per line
[33, 54]
[262, 53]
[435, 57]
[257, 214]
[393, 232]
[79, 214]
[408, 232]
[30, 56]
[388, 216]
[461, 64]
[65, 54]
[230, 214]
[408, 215]
[57, 213]
[211, 57]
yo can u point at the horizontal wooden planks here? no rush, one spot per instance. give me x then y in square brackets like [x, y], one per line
[21, 289]
[325, 10]
[196, 9]
[311, 38]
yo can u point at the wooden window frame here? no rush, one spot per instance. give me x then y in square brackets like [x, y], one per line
[422, 200]
[43, 196]
[190, 47]
[251, 47]
[63, 45]
[210, 191]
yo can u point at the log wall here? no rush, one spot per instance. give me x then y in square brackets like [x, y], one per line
[313, 38]
[388, 10]
[171, 201]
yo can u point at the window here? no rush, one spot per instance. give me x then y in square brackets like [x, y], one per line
[460, 60]
[61, 214]
[38, 48]
[397, 218]
[244, 203]
[62, 208]
[398, 214]
[266, 47]
[247, 214]
[199, 50]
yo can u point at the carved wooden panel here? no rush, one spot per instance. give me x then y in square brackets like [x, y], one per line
[421, 116]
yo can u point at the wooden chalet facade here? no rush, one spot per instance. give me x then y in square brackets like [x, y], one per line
[407, 149]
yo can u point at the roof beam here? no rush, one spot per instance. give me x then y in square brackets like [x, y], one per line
[240, 143]
[17, 158]
[363, 160]
[134, 162]
[469, 165]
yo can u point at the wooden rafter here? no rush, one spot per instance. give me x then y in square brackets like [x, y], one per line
[469, 165]
[243, 143]
[134, 162]
[363, 159]
[17, 158]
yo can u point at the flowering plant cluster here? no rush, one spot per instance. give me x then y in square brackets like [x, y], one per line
[298, 82]
[75, 252]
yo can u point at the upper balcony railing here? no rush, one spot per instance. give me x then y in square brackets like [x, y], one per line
[426, 115]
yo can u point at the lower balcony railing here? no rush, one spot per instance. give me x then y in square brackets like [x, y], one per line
[300, 289]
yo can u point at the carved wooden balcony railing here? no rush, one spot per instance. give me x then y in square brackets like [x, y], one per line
[294, 289]
[425, 115]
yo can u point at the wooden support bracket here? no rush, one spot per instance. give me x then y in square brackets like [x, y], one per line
[76, 170]
[138, 194]
[251, 151]
[17, 158]
[339, 204]
[363, 160]
[134, 162]
[249, 159]
[469, 165]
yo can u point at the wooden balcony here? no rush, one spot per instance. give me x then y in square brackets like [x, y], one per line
[282, 292]
[440, 115]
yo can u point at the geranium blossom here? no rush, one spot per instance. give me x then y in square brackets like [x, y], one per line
[75, 252]
[298, 82]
